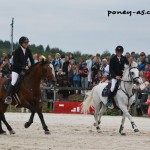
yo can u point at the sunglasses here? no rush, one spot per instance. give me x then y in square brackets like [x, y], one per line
[142, 55]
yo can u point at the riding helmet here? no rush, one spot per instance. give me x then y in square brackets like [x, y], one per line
[23, 39]
[119, 49]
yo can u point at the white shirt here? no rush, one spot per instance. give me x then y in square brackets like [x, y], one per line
[23, 49]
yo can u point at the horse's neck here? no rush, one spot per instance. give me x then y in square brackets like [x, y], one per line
[35, 77]
[126, 86]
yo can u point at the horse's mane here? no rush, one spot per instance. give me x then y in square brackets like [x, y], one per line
[127, 66]
[33, 66]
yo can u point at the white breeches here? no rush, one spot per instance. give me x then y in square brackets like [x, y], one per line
[90, 76]
[113, 84]
[14, 78]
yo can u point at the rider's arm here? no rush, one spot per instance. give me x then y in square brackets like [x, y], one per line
[31, 58]
[16, 58]
[111, 69]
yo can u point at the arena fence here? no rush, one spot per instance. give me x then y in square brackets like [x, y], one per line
[55, 89]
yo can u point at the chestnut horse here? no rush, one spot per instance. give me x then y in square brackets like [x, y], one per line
[29, 95]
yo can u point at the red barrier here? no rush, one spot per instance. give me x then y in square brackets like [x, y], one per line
[68, 107]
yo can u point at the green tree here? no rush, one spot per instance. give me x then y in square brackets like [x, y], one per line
[47, 48]
[105, 54]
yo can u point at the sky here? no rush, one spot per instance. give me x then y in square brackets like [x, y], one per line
[78, 25]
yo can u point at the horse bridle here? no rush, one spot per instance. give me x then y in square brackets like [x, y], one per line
[130, 81]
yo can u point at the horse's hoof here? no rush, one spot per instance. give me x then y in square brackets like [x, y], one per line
[3, 132]
[136, 130]
[123, 133]
[99, 122]
[12, 132]
[47, 132]
[98, 129]
[26, 125]
[94, 124]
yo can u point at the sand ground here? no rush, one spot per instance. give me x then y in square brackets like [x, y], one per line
[74, 132]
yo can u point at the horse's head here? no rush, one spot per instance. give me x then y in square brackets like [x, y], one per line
[46, 70]
[134, 72]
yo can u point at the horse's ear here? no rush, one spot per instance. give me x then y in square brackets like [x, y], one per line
[42, 62]
[126, 66]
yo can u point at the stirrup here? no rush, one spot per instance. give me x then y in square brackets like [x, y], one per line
[109, 105]
[8, 100]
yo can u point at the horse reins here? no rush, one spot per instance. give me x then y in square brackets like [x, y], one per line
[130, 81]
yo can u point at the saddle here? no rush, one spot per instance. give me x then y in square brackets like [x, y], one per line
[106, 90]
[16, 87]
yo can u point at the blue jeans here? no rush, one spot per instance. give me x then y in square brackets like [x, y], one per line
[84, 82]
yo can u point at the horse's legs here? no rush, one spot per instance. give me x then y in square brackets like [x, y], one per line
[126, 113]
[96, 119]
[11, 131]
[1, 130]
[100, 109]
[122, 125]
[43, 121]
[27, 124]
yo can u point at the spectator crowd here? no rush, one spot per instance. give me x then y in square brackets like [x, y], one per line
[70, 72]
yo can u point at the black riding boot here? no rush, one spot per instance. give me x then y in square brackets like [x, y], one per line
[109, 100]
[8, 99]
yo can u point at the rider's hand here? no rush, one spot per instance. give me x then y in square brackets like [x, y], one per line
[26, 68]
[118, 77]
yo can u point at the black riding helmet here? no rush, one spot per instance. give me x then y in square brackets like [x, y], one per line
[119, 49]
[23, 39]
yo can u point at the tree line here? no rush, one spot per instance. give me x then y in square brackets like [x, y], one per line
[5, 47]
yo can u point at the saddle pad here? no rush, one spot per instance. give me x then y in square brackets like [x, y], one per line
[6, 84]
[106, 90]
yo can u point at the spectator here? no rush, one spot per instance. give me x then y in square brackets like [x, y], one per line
[98, 78]
[127, 55]
[63, 59]
[71, 58]
[4, 55]
[42, 58]
[1, 74]
[65, 65]
[76, 77]
[36, 58]
[57, 63]
[62, 81]
[142, 62]
[104, 67]
[89, 65]
[50, 58]
[133, 56]
[59, 76]
[70, 72]
[95, 69]
[147, 71]
[6, 68]
[98, 58]
[84, 75]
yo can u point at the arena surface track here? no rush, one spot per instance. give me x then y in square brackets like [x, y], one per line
[74, 132]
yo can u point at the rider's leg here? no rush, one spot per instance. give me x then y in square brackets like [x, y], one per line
[113, 84]
[8, 98]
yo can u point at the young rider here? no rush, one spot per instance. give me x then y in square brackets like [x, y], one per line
[116, 67]
[19, 63]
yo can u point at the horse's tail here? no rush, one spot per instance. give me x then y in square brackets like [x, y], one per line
[88, 102]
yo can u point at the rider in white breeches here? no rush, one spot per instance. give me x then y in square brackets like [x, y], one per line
[19, 62]
[113, 84]
[116, 67]
[14, 77]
